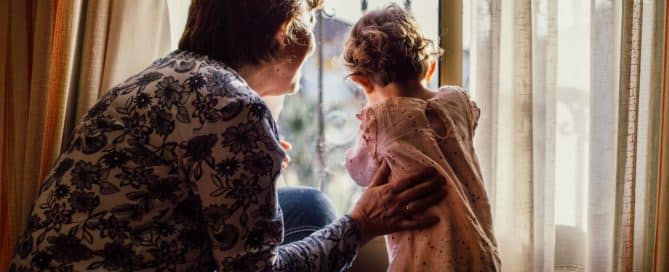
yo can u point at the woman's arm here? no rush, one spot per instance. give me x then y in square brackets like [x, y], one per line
[332, 248]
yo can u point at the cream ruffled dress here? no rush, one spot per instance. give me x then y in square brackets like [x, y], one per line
[410, 134]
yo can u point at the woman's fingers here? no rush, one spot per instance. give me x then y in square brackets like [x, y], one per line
[418, 222]
[386, 208]
[381, 175]
[402, 208]
[422, 204]
[430, 186]
[285, 145]
[413, 180]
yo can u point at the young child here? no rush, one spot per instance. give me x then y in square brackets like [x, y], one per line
[411, 127]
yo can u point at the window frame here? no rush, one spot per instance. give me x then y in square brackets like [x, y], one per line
[450, 40]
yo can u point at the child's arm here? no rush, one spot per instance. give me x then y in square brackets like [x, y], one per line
[362, 160]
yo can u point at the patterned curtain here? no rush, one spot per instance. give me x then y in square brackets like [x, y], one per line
[567, 138]
[56, 58]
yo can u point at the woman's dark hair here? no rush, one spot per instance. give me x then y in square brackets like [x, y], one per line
[242, 32]
[387, 46]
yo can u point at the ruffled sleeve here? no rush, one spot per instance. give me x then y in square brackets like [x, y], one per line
[475, 113]
[362, 160]
[464, 105]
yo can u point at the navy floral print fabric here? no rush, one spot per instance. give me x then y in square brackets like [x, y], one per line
[173, 170]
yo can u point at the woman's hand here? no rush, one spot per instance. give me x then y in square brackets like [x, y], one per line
[386, 208]
[286, 146]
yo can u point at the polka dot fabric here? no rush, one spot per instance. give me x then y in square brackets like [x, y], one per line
[411, 134]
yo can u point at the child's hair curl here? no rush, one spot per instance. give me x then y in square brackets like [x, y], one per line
[387, 46]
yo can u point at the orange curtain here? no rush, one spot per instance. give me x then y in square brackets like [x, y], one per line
[17, 29]
[37, 33]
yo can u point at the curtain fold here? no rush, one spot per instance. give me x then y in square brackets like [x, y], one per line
[485, 25]
[626, 179]
[56, 59]
[64, 55]
[31, 123]
[514, 162]
[645, 231]
[660, 169]
[5, 229]
[604, 54]
[16, 88]
[544, 78]
[139, 31]
[92, 60]
[661, 250]
[115, 46]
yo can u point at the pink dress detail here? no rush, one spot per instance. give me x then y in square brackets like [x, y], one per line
[411, 134]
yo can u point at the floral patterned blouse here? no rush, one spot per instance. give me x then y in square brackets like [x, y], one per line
[174, 169]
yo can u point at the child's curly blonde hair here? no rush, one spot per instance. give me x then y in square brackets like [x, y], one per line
[386, 45]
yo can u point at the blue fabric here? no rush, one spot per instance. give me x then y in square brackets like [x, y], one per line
[305, 210]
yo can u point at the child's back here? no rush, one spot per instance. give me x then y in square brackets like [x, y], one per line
[410, 134]
[411, 127]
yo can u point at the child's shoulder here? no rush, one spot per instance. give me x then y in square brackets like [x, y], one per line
[455, 100]
[452, 94]
[448, 99]
[452, 91]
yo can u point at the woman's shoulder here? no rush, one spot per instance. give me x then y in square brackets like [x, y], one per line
[187, 72]
[188, 91]
[199, 73]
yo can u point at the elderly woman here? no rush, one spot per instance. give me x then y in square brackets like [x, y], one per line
[176, 168]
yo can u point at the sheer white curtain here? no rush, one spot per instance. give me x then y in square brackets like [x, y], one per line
[556, 80]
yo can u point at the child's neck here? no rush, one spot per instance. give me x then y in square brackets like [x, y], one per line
[413, 89]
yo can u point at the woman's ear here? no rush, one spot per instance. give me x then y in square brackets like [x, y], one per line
[280, 36]
[364, 83]
[430, 71]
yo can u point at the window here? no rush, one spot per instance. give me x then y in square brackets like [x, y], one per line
[322, 132]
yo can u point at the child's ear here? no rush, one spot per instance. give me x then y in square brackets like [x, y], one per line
[363, 82]
[430, 71]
